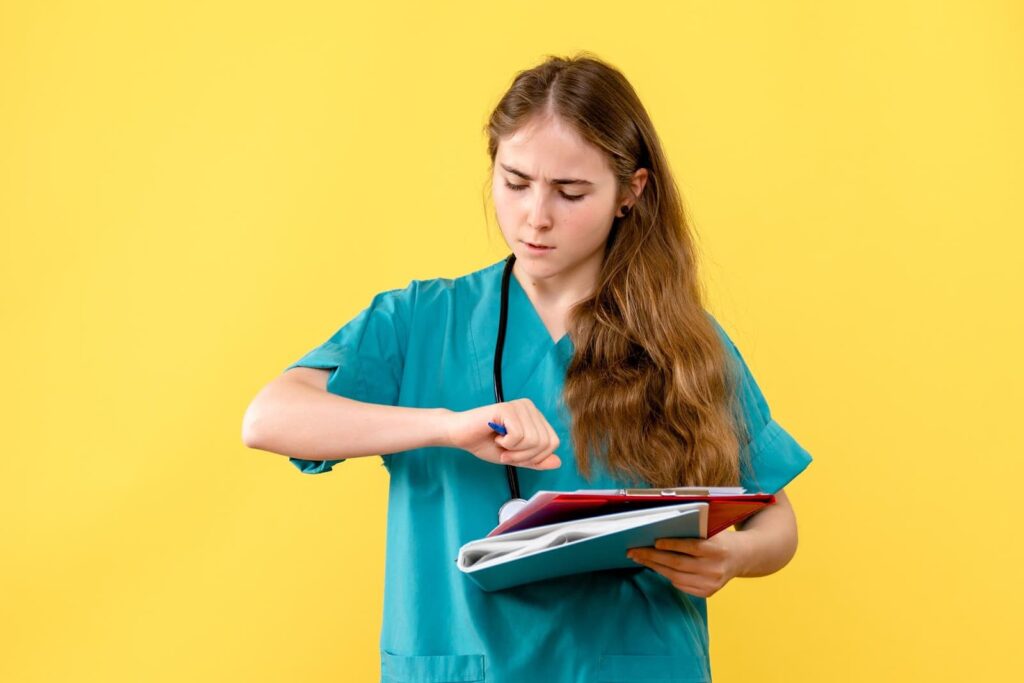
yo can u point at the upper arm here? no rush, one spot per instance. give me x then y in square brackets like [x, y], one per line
[781, 501]
[314, 377]
[309, 376]
[363, 360]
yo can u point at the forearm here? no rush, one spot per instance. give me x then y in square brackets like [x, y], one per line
[768, 540]
[298, 420]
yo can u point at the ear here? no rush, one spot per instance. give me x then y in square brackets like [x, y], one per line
[639, 181]
[636, 186]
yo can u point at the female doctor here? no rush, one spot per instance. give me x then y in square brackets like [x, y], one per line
[611, 375]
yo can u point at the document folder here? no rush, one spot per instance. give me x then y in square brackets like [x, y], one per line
[559, 533]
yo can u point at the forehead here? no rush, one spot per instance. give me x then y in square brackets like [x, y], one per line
[549, 148]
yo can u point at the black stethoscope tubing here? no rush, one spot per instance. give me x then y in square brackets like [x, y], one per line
[515, 498]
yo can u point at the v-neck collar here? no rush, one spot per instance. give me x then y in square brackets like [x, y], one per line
[526, 306]
[529, 348]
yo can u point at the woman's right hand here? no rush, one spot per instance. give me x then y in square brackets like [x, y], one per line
[529, 442]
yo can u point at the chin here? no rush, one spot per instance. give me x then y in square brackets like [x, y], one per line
[537, 271]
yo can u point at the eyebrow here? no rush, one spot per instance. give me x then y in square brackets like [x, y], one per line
[555, 181]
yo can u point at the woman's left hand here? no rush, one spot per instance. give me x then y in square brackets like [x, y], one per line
[695, 565]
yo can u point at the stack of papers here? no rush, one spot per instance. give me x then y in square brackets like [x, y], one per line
[547, 507]
[488, 551]
[558, 533]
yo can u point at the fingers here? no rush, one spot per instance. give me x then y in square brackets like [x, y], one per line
[549, 462]
[672, 560]
[536, 457]
[529, 440]
[516, 428]
[546, 459]
[545, 439]
[690, 546]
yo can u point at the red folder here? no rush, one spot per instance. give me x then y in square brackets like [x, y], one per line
[550, 507]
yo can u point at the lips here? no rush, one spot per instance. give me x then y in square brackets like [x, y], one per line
[539, 246]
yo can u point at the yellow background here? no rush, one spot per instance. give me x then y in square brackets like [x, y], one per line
[194, 194]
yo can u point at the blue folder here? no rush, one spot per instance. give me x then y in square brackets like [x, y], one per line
[568, 553]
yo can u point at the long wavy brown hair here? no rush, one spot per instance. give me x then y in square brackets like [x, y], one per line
[651, 389]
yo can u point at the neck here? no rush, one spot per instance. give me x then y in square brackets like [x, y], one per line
[562, 289]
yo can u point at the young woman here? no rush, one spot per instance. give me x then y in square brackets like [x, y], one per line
[613, 375]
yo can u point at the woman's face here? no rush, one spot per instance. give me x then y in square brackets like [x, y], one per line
[573, 218]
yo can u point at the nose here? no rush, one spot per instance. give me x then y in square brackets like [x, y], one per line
[539, 217]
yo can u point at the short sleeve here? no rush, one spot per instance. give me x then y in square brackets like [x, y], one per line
[366, 356]
[770, 457]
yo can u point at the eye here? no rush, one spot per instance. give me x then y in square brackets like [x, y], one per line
[570, 197]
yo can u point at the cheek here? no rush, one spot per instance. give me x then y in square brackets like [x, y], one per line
[506, 214]
[506, 200]
[590, 221]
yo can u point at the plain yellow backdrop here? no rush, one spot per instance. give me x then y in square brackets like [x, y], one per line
[194, 194]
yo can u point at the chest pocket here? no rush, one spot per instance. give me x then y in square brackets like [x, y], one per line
[637, 668]
[431, 668]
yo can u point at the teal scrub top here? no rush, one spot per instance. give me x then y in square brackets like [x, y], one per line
[431, 345]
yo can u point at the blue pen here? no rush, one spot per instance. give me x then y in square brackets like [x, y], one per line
[498, 428]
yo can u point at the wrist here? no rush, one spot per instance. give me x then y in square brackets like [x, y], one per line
[438, 419]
